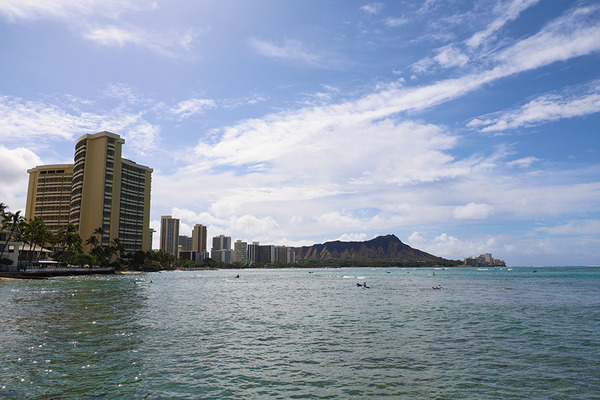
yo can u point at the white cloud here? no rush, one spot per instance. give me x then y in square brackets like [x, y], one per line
[119, 36]
[524, 162]
[508, 11]
[396, 22]
[187, 108]
[246, 227]
[423, 65]
[574, 34]
[24, 119]
[585, 227]
[259, 229]
[473, 211]
[15, 163]
[449, 57]
[352, 237]
[122, 92]
[451, 247]
[292, 50]
[142, 136]
[372, 8]
[38, 124]
[101, 21]
[115, 36]
[69, 9]
[573, 102]
[13, 174]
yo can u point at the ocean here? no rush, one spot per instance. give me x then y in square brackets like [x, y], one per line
[497, 333]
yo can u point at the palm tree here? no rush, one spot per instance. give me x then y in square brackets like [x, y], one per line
[59, 242]
[36, 234]
[117, 246]
[3, 207]
[48, 240]
[99, 232]
[92, 241]
[72, 240]
[13, 222]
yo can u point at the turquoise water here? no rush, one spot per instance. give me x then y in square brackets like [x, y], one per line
[298, 333]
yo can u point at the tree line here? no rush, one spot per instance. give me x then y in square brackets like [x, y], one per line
[68, 245]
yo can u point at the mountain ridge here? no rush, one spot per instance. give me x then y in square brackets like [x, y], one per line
[381, 247]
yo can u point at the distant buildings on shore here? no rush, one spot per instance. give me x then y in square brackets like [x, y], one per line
[195, 248]
[484, 260]
[107, 196]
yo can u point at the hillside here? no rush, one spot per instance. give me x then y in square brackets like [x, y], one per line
[382, 247]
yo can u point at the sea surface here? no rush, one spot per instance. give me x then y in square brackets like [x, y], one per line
[508, 333]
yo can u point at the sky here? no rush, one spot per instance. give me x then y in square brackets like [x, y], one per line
[462, 127]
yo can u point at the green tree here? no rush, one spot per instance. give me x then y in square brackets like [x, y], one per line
[72, 240]
[117, 247]
[92, 241]
[139, 258]
[82, 259]
[35, 233]
[13, 222]
[99, 232]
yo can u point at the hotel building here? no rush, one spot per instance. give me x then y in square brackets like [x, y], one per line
[240, 252]
[49, 195]
[185, 243]
[107, 191]
[199, 238]
[221, 249]
[253, 252]
[169, 235]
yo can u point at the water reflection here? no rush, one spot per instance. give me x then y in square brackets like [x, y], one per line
[71, 336]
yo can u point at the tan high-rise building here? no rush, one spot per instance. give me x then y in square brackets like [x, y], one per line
[240, 252]
[199, 238]
[49, 195]
[169, 235]
[107, 192]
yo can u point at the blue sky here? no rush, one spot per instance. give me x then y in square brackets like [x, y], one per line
[462, 127]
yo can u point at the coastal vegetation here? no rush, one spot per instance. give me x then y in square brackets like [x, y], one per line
[68, 247]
